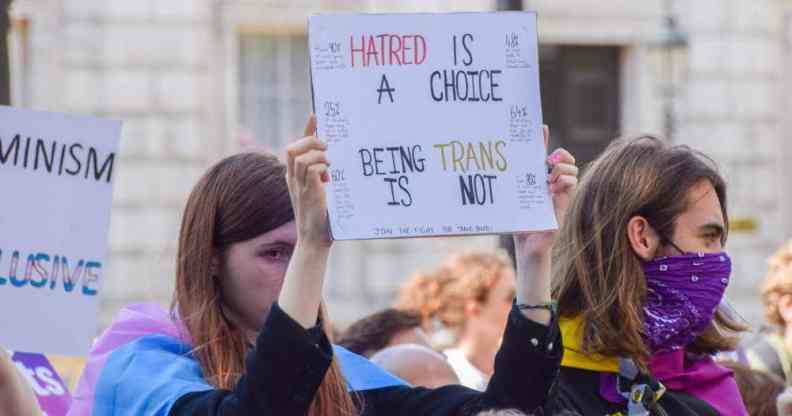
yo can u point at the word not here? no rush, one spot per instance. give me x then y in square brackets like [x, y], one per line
[73, 159]
[484, 155]
[43, 271]
[477, 189]
[388, 49]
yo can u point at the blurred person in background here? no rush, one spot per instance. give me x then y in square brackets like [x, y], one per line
[382, 329]
[759, 389]
[470, 295]
[772, 350]
[416, 364]
[784, 402]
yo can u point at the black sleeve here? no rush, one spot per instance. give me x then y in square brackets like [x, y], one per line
[282, 374]
[526, 369]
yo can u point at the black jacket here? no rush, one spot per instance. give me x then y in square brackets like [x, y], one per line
[288, 362]
[578, 392]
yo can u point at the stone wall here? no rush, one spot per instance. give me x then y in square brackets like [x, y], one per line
[732, 108]
[169, 69]
[143, 62]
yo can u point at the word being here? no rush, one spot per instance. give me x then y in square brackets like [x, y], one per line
[467, 85]
[44, 271]
[476, 188]
[57, 158]
[395, 160]
[387, 50]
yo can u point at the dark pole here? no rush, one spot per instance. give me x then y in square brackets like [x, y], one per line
[506, 242]
[5, 73]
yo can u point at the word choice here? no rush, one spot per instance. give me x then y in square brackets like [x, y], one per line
[465, 85]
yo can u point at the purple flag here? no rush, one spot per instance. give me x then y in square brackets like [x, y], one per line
[50, 390]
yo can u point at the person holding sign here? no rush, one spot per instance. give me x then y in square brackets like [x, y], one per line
[16, 395]
[246, 334]
[639, 288]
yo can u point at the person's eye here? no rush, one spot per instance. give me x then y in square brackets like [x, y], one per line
[712, 236]
[276, 254]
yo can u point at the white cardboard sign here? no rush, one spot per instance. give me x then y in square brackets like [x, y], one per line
[433, 123]
[56, 175]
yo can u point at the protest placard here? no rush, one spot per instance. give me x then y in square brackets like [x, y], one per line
[56, 176]
[50, 390]
[433, 123]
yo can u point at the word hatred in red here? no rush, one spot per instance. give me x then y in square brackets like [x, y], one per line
[387, 49]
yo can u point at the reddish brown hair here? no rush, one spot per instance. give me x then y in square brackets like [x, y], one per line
[778, 283]
[599, 278]
[241, 197]
[442, 293]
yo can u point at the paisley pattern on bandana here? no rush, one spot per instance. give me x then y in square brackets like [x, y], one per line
[683, 294]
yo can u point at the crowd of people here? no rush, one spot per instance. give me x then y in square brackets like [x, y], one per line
[619, 312]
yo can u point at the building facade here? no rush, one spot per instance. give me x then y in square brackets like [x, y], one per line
[195, 80]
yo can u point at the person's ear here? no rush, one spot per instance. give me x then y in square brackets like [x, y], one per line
[785, 308]
[643, 239]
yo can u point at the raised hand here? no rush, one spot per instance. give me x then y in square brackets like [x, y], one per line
[532, 249]
[306, 175]
[562, 182]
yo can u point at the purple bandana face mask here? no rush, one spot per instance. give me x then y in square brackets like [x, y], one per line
[683, 294]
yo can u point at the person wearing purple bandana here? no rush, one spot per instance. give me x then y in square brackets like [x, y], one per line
[640, 285]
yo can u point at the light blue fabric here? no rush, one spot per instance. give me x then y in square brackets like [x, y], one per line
[361, 374]
[147, 376]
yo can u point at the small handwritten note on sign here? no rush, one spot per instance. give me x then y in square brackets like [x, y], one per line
[433, 123]
[56, 177]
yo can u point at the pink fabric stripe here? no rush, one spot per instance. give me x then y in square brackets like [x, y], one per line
[131, 323]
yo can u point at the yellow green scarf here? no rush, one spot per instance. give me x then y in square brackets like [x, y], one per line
[572, 336]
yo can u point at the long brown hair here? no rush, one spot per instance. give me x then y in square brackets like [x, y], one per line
[241, 197]
[759, 389]
[599, 277]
